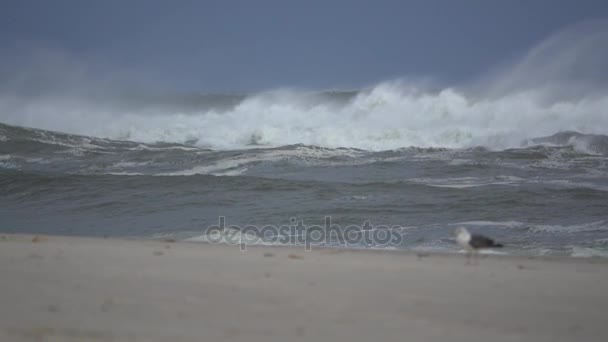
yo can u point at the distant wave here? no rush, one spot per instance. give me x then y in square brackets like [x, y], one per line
[389, 116]
[560, 85]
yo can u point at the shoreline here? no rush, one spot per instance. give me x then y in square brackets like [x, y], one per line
[64, 288]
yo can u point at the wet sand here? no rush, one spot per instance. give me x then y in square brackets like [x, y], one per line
[81, 289]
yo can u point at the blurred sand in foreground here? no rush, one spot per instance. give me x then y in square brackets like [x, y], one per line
[81, 289]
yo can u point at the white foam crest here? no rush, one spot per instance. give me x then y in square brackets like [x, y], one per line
[506, 224]
[142, 147]
[234, 237]
[585, 252]
[233, 166]
[355, 198]
[582, 146]
[129, 164]
[232, 173]
[573, 185]
[8, 165]
[218, 168]
[584, 227]
[124, 173]
[37, 160]
[467, 182]
[459, 162]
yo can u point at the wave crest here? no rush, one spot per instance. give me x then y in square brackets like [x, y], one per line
[386, 117]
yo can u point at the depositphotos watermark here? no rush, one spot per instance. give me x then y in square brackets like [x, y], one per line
[299, 234]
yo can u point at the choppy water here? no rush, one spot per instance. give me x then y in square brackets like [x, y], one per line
[519, 153]
[547, 196]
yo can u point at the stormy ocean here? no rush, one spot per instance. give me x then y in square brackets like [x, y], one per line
[533, 174]
[519, 154]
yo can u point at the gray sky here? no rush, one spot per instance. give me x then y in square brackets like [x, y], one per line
[248, 45]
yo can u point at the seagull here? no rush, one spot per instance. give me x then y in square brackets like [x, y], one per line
[473, 242]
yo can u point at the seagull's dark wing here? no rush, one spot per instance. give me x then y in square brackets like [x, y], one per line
[480, 241]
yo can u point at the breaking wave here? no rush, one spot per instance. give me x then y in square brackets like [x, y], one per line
[388, 116]
[559, 86]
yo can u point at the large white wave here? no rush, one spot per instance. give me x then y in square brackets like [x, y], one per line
[559, 85]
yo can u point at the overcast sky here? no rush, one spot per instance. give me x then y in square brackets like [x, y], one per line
[248, 45]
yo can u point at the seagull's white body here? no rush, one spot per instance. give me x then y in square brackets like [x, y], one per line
[462, 238]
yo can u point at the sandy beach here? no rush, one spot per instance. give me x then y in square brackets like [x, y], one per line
[82, 289]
